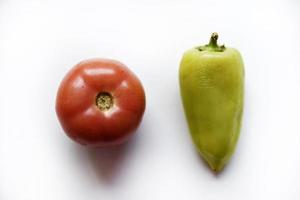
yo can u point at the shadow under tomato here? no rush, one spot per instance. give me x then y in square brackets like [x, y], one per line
[109, 162]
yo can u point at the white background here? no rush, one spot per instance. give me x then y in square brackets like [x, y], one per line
[41, 40]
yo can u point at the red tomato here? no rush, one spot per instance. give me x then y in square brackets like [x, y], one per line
[100, 102]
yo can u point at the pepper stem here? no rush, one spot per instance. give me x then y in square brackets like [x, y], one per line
[213, 44]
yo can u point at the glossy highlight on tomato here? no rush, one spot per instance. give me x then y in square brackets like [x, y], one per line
[100, 102]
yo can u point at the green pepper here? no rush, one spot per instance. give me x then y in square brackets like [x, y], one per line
[212, 90]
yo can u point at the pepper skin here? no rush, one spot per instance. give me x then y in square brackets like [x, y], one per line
[212, 89]
[100, 102]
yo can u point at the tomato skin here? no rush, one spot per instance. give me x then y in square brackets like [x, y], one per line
[78, 113]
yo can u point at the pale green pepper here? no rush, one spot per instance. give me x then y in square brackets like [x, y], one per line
[212, 89]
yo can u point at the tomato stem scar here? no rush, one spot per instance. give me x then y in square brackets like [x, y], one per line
[104, 101]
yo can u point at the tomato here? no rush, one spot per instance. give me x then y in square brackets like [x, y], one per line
[100, 102]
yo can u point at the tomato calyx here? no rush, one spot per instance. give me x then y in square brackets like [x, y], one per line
[213, 44]
[104, 101]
